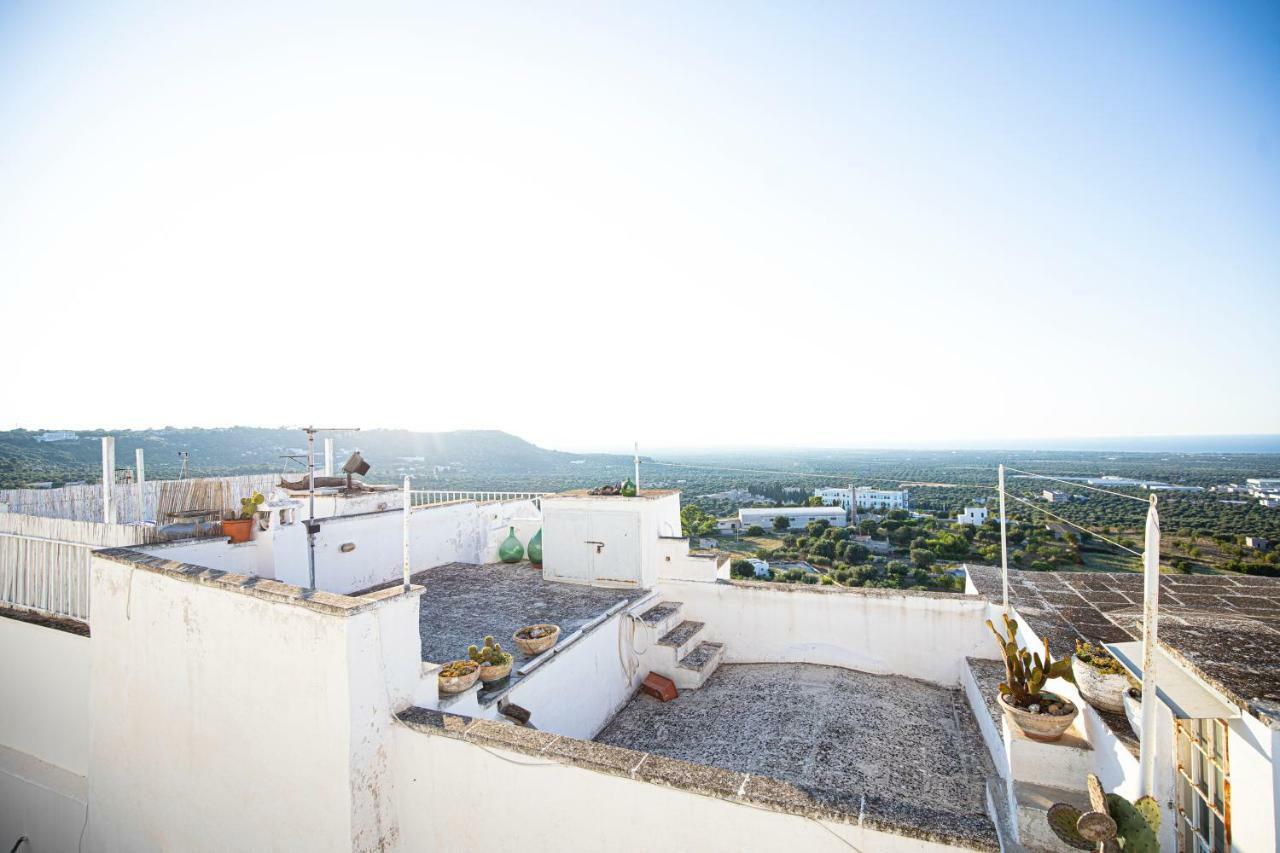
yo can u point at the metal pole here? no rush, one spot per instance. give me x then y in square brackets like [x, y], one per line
[108, 477]
[637, 468]
[328, 457]
[311, 507]
[853, 508]
[405, 532]
[142, 486]
[1004, 549]
[1150, 621]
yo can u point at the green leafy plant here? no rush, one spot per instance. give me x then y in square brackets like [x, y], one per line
[491, 654]
[1026, 672]
[249, 505]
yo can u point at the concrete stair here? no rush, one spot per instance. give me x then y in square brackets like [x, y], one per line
[1035, 775]
[681, 651]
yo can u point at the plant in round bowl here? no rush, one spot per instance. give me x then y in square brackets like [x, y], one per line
[495, 664]
[1039, 714]
[458, 675]
[1100, 677]
[536, 639]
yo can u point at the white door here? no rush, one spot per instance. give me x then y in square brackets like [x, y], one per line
[615, 547]
[566, 554]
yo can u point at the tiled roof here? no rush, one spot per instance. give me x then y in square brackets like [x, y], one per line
[1225, 628]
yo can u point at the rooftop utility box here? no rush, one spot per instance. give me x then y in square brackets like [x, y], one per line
[607, 540]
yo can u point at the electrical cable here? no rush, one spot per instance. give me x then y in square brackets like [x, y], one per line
[1073, 483]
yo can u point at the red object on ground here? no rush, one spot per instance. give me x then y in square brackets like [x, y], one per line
[659, 687]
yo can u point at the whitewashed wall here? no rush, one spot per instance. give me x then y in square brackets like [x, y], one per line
[1255, 786]
[921, 636]
[44, 734]
[548, 807]
[224, 720]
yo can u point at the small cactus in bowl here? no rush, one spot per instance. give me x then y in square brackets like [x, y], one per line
[249, 505]
[495, 664]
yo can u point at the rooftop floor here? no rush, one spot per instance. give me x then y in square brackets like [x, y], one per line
[893, 751]
[1225, 628]
[464, 603]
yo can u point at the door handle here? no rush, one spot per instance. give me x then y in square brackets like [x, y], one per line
[599, 545]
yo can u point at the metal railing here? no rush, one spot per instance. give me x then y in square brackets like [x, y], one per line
[427, 497]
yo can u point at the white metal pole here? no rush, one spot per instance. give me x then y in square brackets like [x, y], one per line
[311, 507]
[1150, 622]
[1004, 550]
[405, 531]
[108, 477]
[328, 457]
[142, 485]
[637, 468]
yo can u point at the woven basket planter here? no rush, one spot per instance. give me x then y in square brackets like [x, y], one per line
[536, 645]
[457, 683]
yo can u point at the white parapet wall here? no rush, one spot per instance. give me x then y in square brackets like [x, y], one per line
[44, 734]
[234, 713]
[550, 806]
[916, 634]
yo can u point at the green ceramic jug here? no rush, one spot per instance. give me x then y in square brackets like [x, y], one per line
[628, 488]
[511, 551]
[535, 549]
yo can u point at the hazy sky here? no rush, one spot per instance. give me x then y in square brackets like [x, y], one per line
[688, 224]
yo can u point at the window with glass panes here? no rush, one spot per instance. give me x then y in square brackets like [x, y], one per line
[1204, 787]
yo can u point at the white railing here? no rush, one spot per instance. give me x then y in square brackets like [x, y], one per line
[49, 575]
[427, 497]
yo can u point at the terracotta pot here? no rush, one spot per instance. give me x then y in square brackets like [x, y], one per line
[238, 529]
[1042, 727]
[1101, 690]
[458, 683]
[539, 645]
[1133, 711]
[495, 673]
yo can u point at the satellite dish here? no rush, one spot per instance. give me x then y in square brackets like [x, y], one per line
[356, 465]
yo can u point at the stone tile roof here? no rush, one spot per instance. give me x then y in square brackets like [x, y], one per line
[1224, 628]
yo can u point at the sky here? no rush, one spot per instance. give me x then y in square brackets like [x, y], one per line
[685, 224]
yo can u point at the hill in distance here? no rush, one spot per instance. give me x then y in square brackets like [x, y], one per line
[481, 458]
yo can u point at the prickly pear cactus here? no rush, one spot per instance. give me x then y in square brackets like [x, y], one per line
[1133, 831]
[1062, 820]
[1149, 809]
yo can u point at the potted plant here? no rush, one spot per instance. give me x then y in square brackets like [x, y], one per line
[1112, 822]
[1039, 714]
[458, 675]
[1100, 678]
[536, 639]
[495, 664]
[240, 528]
[1132, 700]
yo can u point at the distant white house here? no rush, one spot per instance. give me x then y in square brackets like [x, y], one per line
[58, 435]
[1053, 497]
[1259, 486]
[728, 525]
[1258, 543]
[798, 516]
[867, 498]
[974, 515]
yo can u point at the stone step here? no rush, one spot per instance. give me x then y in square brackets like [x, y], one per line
[682, 638]
[661, 616]
[1030, 804]
[695, 668]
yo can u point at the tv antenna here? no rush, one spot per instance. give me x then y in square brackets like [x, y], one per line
[312, 527]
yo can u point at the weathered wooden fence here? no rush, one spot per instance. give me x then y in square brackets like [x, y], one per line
[84, 503]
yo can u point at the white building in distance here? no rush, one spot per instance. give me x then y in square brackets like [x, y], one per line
[1053, 497]
[58, 435]
[799, 516]
[867, 498]
[974, 515]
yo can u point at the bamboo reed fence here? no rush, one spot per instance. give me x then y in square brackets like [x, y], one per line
[84, 503]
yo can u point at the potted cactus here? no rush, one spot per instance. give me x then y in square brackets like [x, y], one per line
[1112, 823]
[240, 528]
[1100, 678]
[495, 664]
[458, 675]
[1036, 712]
